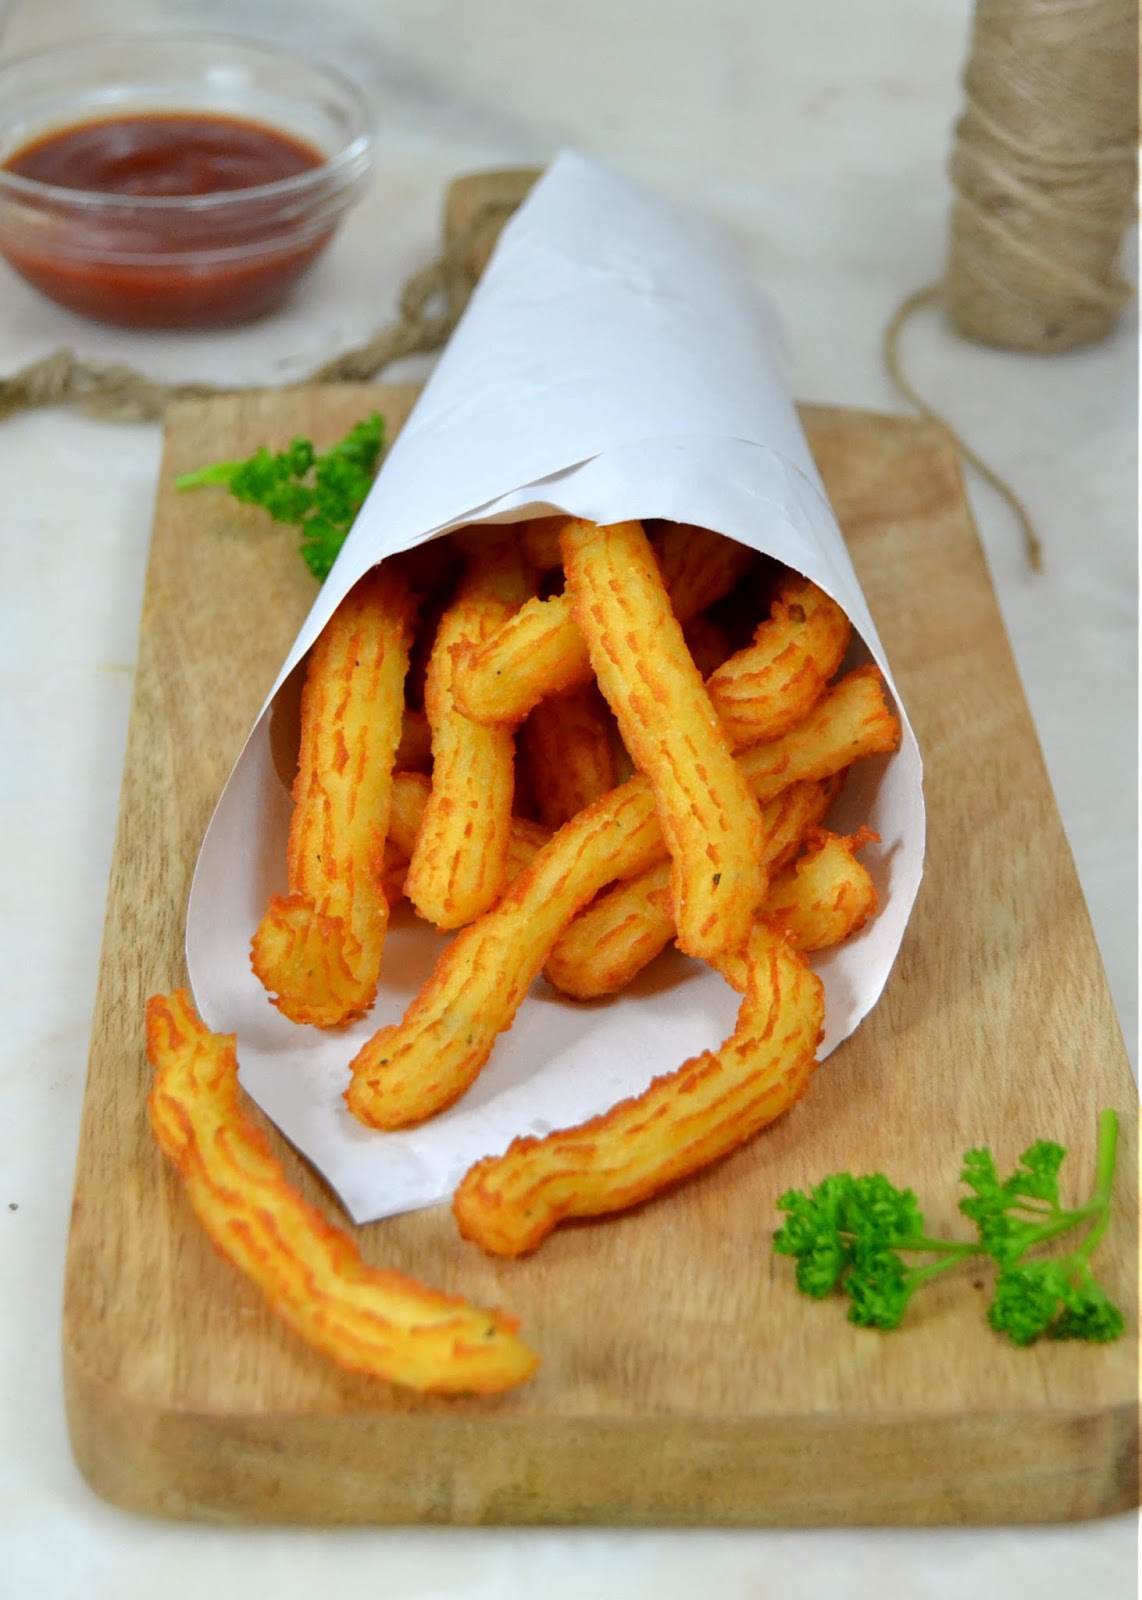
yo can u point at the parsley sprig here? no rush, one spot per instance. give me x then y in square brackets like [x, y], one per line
[319, 493]
[867, 1237]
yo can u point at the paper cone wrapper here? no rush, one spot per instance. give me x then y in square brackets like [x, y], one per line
[615, 362]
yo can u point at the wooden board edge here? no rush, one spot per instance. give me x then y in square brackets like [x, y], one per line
[386, 1469]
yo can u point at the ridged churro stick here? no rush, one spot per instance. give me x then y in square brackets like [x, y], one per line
[417, 1067]
[764, 690]
[570, 746]
[609, 943]
[851, 721]
[540, 652]
[318, 949]
[458, 867]
[714, 1102]
[410, 797]
[411, 1070]
[648, 678]
[380, 1323]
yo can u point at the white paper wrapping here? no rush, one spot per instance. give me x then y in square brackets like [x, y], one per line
[615, 362]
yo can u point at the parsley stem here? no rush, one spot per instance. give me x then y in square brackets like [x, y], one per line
[1104, 1178]
[1107, 1154]
[954, 1255]
[920, 1242]
[220, 472]
[1063, 1223]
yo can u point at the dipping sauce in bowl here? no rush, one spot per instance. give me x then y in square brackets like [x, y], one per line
[174, 182]
[164, 153]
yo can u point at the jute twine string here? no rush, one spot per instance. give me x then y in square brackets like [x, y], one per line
[430, 306]
[1045, 171]
[1032, 545]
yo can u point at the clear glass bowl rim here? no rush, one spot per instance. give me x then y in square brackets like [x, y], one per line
[346, 165]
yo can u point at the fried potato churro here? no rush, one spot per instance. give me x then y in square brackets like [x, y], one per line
[410, 797]
[459, 863]
[698, 566]
[713, 1103]
[826, 895]
[710, 822]
[570, 746]
[380, 1323]
[850, 722]
[621, 932]
[417, 1067]
[318, 949]
[764, 690]
[540, 652]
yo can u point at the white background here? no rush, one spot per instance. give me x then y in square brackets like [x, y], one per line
[818, 131]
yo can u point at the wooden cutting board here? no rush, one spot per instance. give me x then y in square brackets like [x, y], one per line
[684, 1380]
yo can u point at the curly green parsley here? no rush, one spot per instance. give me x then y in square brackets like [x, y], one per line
[867, 1238]
[320, 494]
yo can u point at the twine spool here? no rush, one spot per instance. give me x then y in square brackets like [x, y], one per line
[1044, 167]
[1044, 170]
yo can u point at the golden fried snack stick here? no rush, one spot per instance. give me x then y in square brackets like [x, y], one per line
[457, 868]
[610, 942]
[707, 642]
[764, 690]
[686, 1119]
[851, 720]
[570, 745]
[419, 1066]
[414, 753]
[540, 651]
[793, 815]
[619, 933]
[380, 1323]
[709, 819]
[817, 902]
[622, 931]
[826, 895]
[393, 873]
[318, 949]
[410, 796]
[698, 566]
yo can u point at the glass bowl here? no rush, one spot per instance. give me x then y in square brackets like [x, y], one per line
[176, 260]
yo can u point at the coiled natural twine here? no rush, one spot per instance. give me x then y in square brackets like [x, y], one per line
[1044, 168]
[1045, 171]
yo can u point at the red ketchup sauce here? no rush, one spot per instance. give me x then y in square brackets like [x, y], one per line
[107, 261]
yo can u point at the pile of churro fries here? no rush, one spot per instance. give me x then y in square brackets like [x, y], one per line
[574, 745]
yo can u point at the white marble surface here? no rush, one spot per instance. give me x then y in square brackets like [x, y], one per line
[817, 130]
